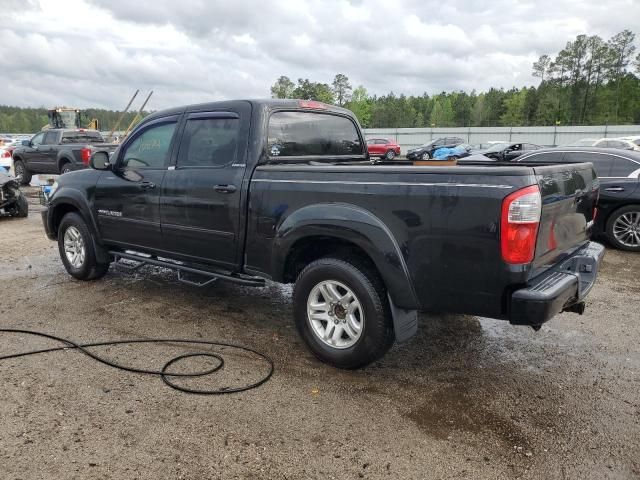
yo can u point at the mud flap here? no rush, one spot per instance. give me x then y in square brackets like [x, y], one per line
[405, 322]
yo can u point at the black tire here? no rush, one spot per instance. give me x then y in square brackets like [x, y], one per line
[66, 167]
[22, 173]
[611, 224]
[377, 334]
[89, 269]
[390, 155]
[21, 209]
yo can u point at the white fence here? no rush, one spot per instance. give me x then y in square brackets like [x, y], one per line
[546, 136]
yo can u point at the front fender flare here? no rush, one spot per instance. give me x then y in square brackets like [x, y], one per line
[70, 196]
[355, 225]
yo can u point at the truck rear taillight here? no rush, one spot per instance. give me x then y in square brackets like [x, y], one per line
[519, 224]
[85, 155]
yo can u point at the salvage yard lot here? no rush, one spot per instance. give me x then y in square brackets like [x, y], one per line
[467, 398]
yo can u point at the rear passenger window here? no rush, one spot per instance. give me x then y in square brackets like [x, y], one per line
[50, 138]
[601, 163]
[551, 157]
[151, 148]
[623, 167]
[209, 142]
[299, 134]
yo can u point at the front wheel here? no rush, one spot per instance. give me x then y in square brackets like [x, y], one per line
[21, 209]
[426, 156]
[342, 313]
[77, 250]
[22, 174]
[623, 228]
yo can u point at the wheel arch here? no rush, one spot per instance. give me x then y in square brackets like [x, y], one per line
[62, 160]
[69, 200]
[317, 230]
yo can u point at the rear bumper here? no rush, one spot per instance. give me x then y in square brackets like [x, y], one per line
[558, 289]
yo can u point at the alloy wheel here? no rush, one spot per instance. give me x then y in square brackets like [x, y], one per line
[626, 229]
[74, 248]
[335, 314]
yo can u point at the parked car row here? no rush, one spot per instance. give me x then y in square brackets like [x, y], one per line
[498, 149]
[623, 143]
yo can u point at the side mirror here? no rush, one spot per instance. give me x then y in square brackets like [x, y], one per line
[26, 143]
[100, 161]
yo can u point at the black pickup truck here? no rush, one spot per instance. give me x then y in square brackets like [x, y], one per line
[57, 151]
[283, 190]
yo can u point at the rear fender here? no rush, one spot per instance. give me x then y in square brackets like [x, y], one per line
[354, 225]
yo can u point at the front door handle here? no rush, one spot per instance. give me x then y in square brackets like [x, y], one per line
[225, 188]
[147, 185]
[614, 189]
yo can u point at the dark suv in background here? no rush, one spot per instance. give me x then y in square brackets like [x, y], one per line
[425, 152]
[618, 217]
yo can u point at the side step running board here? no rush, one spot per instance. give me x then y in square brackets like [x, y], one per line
[181, 269]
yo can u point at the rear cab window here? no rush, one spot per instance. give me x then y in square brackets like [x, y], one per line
[81, 137]
[312, 134]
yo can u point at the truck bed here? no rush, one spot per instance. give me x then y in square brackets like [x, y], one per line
[444, 220]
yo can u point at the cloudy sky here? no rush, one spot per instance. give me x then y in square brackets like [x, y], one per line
[97, 52]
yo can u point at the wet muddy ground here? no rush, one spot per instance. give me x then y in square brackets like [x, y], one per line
[467, 398]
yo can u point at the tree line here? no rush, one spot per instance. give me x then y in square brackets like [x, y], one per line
[589, 82]
[31, 120]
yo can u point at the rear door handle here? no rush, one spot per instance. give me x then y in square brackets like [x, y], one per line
[614, 189]
[147, 185]
[225, 188]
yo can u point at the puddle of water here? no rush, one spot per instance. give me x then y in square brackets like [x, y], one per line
[455, 408]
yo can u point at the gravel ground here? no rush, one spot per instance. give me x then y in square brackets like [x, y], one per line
[467, 398]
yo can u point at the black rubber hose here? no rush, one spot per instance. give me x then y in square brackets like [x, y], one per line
[159, 373]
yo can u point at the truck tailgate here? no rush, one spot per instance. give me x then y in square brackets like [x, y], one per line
[569, 195]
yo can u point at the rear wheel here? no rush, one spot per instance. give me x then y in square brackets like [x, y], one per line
[390, 155]
[66, 168]
[23, 175]
[77, 250]
[342, 313]
[623, 228]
